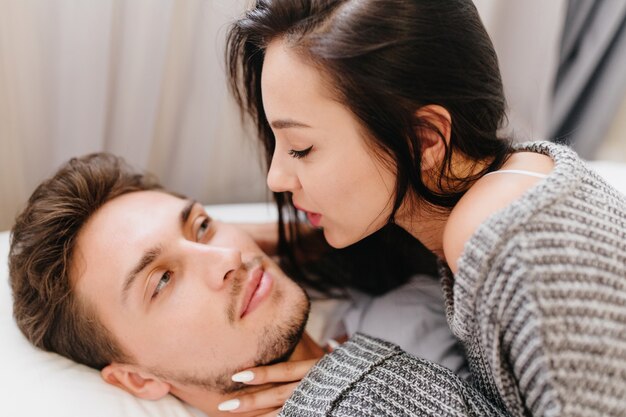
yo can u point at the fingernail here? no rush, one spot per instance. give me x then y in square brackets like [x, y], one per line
[333, 344]
[245, 376]
[229, 405]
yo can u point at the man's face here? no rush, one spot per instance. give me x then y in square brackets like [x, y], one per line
[192, 300]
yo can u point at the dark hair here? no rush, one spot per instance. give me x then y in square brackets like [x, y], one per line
[384, 60]
[45, 305]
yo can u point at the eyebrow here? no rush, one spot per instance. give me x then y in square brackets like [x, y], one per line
[186, 211]
[286, 124]
[152, 254]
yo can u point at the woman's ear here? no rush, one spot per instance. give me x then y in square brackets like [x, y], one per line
[435, 119]
[140, 384]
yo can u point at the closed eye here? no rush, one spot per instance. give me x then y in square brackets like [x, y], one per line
[300, 154]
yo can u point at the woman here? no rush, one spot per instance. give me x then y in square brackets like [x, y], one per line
[386, 111]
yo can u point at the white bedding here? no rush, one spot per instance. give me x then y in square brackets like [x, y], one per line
[36, 383]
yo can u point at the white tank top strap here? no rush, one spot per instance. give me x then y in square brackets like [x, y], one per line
[517, 171]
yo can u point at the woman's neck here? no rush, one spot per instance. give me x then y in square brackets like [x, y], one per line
[425, 225]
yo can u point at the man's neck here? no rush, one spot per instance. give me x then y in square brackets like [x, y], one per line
[207, 402]
[306, 349]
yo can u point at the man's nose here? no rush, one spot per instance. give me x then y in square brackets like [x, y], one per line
[215, 263]
[281, 176]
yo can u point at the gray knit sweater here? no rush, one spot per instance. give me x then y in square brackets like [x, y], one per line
[539, 299]
[370, 377]
[539, 302]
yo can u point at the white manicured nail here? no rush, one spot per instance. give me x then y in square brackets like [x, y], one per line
[245, 376]
[333, 344]
[229, 405]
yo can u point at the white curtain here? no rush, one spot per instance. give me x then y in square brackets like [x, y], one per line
[140, 78]
[591, 81]
[527, 36]
[552, 92]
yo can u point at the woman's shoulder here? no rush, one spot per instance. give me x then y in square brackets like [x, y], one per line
[488, 195]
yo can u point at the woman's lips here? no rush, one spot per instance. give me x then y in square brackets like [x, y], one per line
[257, 289]
[314, 218]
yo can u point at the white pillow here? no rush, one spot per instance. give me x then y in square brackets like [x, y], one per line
[38, 383]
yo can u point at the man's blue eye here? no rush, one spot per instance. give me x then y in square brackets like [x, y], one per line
[163, 282]
[300, 154]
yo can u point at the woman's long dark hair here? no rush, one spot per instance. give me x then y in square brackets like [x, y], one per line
[384, 60]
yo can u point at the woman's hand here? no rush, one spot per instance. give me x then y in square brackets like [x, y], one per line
[282, 379]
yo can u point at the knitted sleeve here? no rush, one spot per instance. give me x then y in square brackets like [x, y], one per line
[558, 342]
[370, 377]
[539, 298]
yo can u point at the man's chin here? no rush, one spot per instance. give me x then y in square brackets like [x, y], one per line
[291, 342]
[280, 342]
[277, 345]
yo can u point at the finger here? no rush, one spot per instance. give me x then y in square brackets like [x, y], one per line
[232, 405]
[280, 372]
[270, 398]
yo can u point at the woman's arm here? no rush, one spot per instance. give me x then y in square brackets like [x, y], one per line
[371, 377]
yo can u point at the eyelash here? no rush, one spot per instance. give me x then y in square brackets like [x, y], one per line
[300, 154]
[204, 228]
[160, 287]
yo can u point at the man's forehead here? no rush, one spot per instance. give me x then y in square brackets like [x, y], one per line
[134, 211]
[124, 227]
[137, 201]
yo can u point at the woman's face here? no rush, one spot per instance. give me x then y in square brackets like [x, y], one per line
[321, 154]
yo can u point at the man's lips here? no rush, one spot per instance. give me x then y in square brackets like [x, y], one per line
[257, 287]
[314, 218]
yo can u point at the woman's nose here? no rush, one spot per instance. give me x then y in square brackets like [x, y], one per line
[281, 176]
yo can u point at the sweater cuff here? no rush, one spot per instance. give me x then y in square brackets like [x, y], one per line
[335, 373]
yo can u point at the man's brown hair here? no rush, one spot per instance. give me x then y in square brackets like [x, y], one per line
[45, 305]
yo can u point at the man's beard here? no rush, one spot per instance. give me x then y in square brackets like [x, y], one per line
[276, 345]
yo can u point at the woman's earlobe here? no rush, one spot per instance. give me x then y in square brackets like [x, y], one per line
[434, 132]
[140, 385]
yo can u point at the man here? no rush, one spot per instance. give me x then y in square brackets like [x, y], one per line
[111, 271]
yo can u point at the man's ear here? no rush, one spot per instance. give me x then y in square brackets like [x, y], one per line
[433, 146]
[138, 383]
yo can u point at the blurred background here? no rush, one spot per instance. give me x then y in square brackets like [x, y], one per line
[145, 79]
